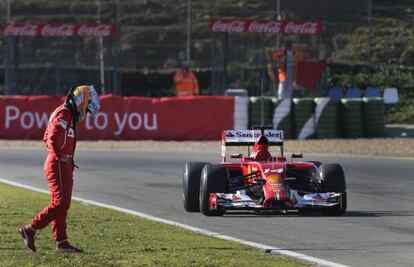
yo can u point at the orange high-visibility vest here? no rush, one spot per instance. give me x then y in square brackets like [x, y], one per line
[281, 58]
[186, 84]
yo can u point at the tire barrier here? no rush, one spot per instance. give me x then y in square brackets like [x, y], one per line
[322, 118]
[303, 112]
[282, 117]
[352, 117]
[327, 119]
[255, 111]
[373, 117]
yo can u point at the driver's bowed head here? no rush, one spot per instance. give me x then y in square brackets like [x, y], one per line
[86, 100]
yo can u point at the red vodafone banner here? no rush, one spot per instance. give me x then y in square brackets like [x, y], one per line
[266, 26]
[60, 30]
[124, 118]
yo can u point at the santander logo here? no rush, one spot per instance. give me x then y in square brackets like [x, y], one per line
[58, 30]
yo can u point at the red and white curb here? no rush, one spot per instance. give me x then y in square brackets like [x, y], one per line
[262, 247]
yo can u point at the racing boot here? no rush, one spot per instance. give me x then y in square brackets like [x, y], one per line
[28, 234]
[64, 246]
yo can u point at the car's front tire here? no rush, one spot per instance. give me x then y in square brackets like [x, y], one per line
[333, 180]
[191, 185]
[214, 179]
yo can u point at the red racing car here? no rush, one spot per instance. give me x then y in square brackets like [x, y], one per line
[262, 181]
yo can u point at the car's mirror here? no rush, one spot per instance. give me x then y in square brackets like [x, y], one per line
[236, 156]
[297, 155]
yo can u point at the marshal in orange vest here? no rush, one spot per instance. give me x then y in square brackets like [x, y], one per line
[186, 83]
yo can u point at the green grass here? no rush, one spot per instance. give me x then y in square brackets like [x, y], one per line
[111, 238]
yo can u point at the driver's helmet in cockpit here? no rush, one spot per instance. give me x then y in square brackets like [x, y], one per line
[261, 150]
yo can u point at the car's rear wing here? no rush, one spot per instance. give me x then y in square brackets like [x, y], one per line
[248, 138]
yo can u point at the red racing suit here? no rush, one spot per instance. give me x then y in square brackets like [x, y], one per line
[60, 140]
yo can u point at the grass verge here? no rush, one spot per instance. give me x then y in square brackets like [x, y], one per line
[112, 238]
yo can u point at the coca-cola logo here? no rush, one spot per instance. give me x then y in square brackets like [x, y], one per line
[100, 30]
[20, 30]
[58, 30]
[265, 26]
[228, 26]
[302, 28]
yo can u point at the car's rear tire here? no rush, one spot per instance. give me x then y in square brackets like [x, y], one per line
[333, 180]
[191, 185]
[214, 179]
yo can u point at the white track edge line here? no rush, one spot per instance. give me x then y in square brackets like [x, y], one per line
[262, 247]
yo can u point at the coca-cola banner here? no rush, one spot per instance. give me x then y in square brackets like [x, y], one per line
[124, 118]
[60, 30]
[266, 26]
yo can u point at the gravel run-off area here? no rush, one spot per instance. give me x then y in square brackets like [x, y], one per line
[393, 147]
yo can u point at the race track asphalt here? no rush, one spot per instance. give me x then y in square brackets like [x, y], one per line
[377, 230]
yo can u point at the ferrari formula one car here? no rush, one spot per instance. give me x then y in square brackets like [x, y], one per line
[262, 181]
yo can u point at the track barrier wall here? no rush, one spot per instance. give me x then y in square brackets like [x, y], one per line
[125, 118]
[352, 117]
[373, 117]
[255, 111]
[199, 117]
[325, 118]
[283, 117]
[304, 117]
[241, 112]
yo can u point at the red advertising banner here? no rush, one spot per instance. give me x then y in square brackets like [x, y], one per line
[308, 73]
[60, 30]
[124, 118]
[266, 26]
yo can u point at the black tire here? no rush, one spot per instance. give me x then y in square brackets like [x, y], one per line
[191, 185]
[333, 180]
[214, 179]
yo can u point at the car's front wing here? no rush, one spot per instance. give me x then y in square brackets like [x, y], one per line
[297, 201]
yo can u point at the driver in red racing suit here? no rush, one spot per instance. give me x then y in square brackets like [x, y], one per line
[60, 139]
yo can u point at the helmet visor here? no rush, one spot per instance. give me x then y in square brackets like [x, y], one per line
[94, 103]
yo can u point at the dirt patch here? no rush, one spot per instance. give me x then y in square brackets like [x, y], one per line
[396, 147]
